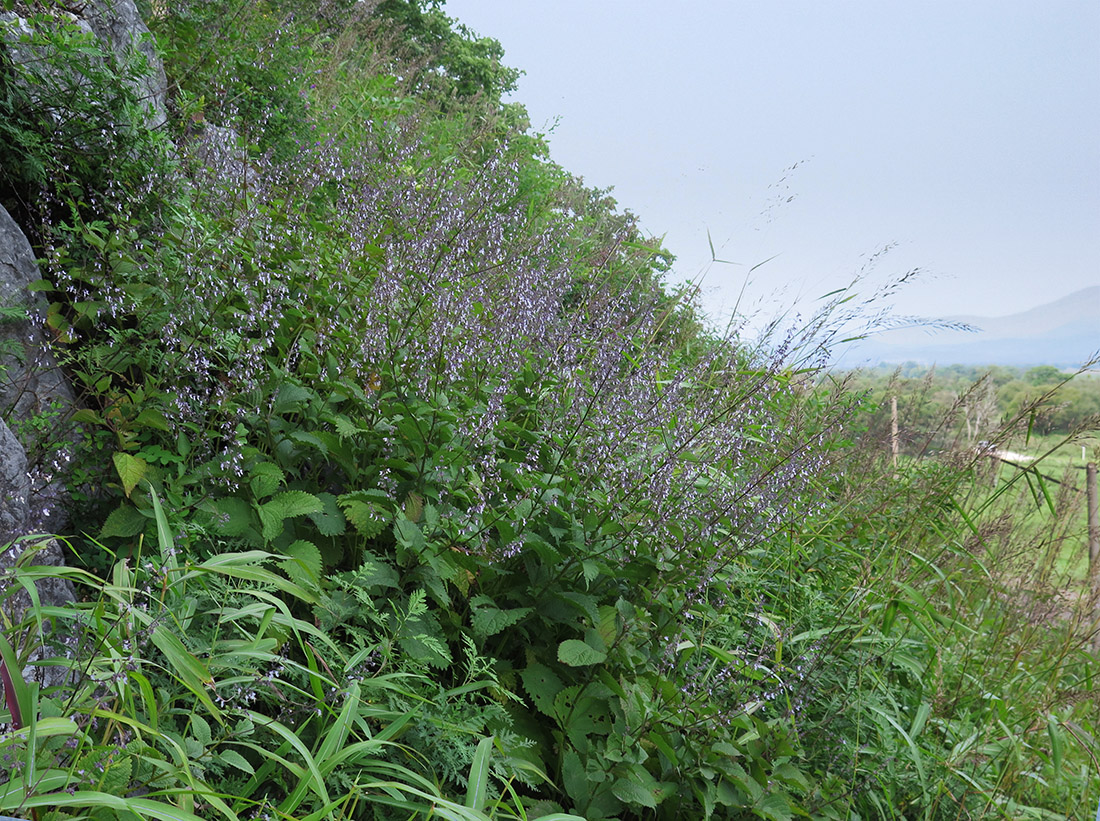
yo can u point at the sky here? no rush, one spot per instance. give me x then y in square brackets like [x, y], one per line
[963, 136]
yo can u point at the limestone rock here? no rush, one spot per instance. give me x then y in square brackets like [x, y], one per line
[31, 383]
[15, 518]
[35, 397]
[121, 32]
[118, 24]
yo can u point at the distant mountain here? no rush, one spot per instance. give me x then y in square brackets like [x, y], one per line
[1064, 333]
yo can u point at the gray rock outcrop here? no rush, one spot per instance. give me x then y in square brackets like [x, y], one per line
[32, 385]
[122, 34]
[30, 381]
[119, 26]
[36, 400]
[15, 522]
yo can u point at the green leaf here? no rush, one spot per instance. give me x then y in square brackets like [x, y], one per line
[200, 728]
[235, 759]
[152, 418]
[775, 806]
[310, 439]
[488, 621]
[303, 564]
[266, 478]
[477, 788]
[366, 517]
[629, 792]
[286, 505]
[116, 780]
[190, 669]
[574, 779]
[123, 522]
[543, 685]
[290, 398]
[576, 653]
[130, 469]
[345, 428]
[329, 520]
[233, 516]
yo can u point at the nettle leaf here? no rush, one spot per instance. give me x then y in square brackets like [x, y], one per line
[488, 621]
[629, 792]
[543, 685]
[130, 469]
[329, 520]
[125, 521]
[266, 478]
[365, 517]
[775, 806]
[310, 439]
[576, 653]
[303, 563]
[286, 505]
[290, 398]
[116, 779]
[582, 713]
[345, 428]
[232, 516]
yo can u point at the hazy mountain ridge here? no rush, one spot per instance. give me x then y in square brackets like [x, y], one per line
[1065, 333]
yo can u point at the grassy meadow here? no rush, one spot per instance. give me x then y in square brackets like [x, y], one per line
[406, 486]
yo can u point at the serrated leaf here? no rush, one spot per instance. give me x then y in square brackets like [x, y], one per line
[422, 638]
[233, 516]
[576, 653]
[630, 793]
[235, 759]
[310, 439]
[573, 778]
[116, 779]
[774, 806]
[295, 503]
[345, 428]
[290, 398]
[365, 517]
[543, 685]
[488, 621]
[152, 418]
[329, 520]
[376, 573]
[266, 478]
[125, 521]
[286, 505]
[200, 728]
[303, 563]
[131, 470]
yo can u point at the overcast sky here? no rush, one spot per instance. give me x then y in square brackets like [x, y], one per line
[968, 133]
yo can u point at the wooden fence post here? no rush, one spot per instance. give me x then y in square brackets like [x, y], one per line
[894, 429]
[1094, 525]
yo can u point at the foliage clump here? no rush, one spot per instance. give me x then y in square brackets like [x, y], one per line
[465, 512]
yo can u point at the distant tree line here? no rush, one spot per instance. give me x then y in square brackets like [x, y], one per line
[961, 406]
